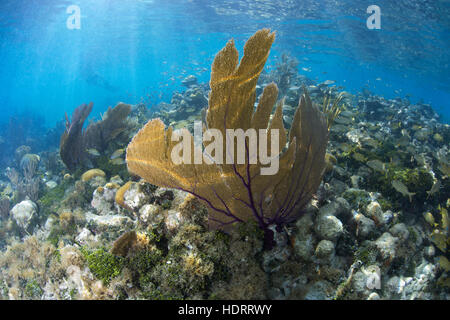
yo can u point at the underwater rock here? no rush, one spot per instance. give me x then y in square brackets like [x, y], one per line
[23, 213]
[305, 223]
[319, 290]
[367, 279]
[338, 187]
[324, 249]
[429, 251]
[355, 181]
[387, 246]
[338, 207]
[273, 259]
[400, 231]
[108, 222]
[373, 296]
[150, 214]
[391, 286]
[411, 288]
[134, 198]
[304, 248]
[354, 135]
[51, 184]
[103, 200]
[365, 226]
[173, 220]
[85, 236]
[375, 212]
[329, 227]
[50, 222]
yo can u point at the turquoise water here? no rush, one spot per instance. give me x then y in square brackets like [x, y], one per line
[355, 208]
[138, 51]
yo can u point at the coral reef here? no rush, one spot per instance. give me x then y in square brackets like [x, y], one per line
[238, 192]
[109, 235]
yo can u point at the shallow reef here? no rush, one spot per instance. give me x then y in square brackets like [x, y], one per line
[82, 227]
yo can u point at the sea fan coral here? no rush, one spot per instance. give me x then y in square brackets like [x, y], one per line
[239, 192]
[72, 143]
[97, 135]
[113, 123]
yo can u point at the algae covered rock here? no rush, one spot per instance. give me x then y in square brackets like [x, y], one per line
[103, 200]
[109, 223]
[23, 213]
[329, 227]
[324, 249]
[387, 246]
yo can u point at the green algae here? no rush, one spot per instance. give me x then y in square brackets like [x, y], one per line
[367, 254]
[52, 198]
[33, 290]
[417, 180]
[103, 264]
[357, 198]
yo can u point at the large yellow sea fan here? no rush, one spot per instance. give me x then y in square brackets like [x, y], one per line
[239, 192]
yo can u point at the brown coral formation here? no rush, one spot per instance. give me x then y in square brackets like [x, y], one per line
[88, 175]
[74, 141]
[72, 144]
[120, 194]
[113, 123]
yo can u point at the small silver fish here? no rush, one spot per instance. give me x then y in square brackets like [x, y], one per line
[429, 218]
[435, 188]
[117, 154]
[328, 82]
[419, 157]
[405, 133]
[377, 165]
[93, 152]
[400, 187]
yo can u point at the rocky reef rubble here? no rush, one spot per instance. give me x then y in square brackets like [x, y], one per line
[135, 241]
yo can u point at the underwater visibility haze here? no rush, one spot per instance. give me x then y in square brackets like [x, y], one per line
[117, 180]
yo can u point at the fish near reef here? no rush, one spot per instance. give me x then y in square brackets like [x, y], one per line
[428, 216]
[400, 187]
[377, 165]
[435, 188]
[116, 154]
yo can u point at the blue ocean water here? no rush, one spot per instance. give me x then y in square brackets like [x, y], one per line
[140, 50]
